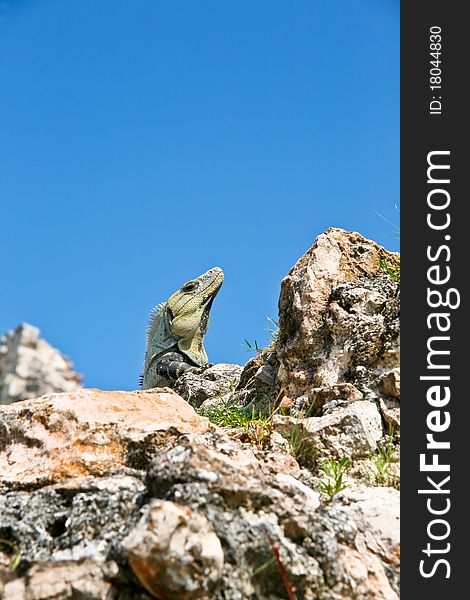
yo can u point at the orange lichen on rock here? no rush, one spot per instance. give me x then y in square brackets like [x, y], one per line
[88, 432]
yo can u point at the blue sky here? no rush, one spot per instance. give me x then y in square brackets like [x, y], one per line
[143, 142]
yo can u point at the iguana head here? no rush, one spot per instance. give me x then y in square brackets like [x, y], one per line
[188, 310]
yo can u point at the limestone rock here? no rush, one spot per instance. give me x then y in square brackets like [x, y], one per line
[375, 513]
[112, 469]
[338, 316]
[88, 432]
[65, 581]
[352, 431]
[322, 400]
[175, 552]
[390, 411]
[253, 512]
[368, 575]
[30, 367]
[249, 508]
[214, 382]
[390, 383]
[76, 519]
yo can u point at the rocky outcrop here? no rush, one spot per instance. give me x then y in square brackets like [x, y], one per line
[338, 317]
[139, 495]
[338, 340]
[30, 367]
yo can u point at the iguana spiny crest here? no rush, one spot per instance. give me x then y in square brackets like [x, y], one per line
[175, 335]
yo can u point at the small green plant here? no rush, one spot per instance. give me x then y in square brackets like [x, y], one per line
[299, 437]
[227, 416]
[384, 461]
[15, 558]
[274, 330]
[390, 269]
[298, 443]
[249, 347]
[263, 566]
[334, 471]
[256, 424]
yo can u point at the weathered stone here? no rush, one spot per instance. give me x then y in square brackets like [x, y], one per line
[258, 384]
[286, 403]
[88, 432]
[390, 383]
[265, 376]
[352, 431]
[30, 367]
[72, 520]
[253, 501]
[390, 411]
[376, 515]
[338, 310]
[212, 383]
[321, 400]
[251, 511]
[64, 581]
[368, 575]
[175, 552]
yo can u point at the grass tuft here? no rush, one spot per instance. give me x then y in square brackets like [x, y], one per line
[384, 461]
[334, 471]
[392, 269]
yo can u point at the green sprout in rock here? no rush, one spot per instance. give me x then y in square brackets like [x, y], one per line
[384, 461]
[334, 471]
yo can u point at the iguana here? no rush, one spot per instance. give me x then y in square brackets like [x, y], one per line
[175, 335]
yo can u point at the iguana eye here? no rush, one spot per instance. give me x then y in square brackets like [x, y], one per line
[189, 287]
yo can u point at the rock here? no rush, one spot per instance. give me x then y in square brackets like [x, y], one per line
[338, 316]
[390, 383]
[248, 508]
[76, 519]
[175, 552]
[212, 383]
[321, 400]
[88, 432]
[278, 462]
[113, 530]
[265, 376]
[258, 383]
[390, 411]
[64, 580]
[375, 513]
[367, 574]
[30, 367]
[352, 431]
[255, 514]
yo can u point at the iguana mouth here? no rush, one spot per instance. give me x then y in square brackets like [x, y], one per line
[215, 291]
[208, 305]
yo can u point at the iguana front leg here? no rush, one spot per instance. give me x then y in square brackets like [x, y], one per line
[172, 365]
[165, 368]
